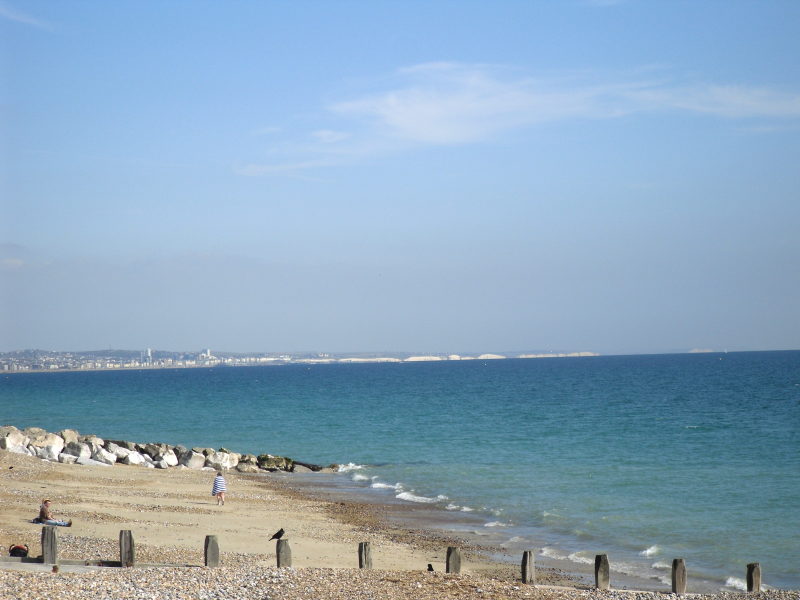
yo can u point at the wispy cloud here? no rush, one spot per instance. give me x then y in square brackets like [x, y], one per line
[454, 104]
[12, 14]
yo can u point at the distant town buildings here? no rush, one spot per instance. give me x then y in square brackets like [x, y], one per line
[45, 360]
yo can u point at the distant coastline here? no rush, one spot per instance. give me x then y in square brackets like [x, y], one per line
[45, 361]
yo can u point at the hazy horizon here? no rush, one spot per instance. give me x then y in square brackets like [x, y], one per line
[610, 176]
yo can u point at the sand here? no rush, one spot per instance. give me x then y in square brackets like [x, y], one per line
[170, 512]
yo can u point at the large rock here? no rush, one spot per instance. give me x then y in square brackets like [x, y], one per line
[274, 463]
[297, 468]
[92, 439]
[193, 460]
[6, 429]
[78, 449]
[69, 435]
[102, 455]
[159, 452]
[119, 452]
[47, 446]
[68, 459]
[122, 444]
[33, 432]
[247, 467]
[14, 440]
[203, 451]
[133, 458]
[222, 461]
[170, 458]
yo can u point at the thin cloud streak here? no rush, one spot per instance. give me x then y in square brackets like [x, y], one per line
[12, 14]
[455, 104]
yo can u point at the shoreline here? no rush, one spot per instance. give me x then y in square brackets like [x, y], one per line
[170, 512]
[417, 522]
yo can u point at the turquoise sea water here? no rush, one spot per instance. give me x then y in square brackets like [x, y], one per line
[646, 458]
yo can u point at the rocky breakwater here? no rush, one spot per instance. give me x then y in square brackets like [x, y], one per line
[69, 446]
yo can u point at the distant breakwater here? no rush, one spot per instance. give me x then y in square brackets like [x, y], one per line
[70, 447]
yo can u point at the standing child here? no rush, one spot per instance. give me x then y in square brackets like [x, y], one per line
[219, 488]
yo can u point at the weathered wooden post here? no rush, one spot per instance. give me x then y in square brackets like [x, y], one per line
[364, 555]
[49, 545]
[602, 575]
[754, 577]
[678, 576]
[284, 553]
[127, 550]
[528, 568]
[453, 560]
[211, 551]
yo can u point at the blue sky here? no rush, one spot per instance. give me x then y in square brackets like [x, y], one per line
[608, 176]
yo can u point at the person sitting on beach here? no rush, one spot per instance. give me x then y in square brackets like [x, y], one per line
[46, 517]
[219, 488]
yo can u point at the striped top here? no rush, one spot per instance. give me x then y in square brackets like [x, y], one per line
[219, 485]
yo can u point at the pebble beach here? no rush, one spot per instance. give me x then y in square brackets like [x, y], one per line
[171, 512]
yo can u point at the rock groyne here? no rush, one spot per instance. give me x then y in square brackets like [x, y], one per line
[70, 447]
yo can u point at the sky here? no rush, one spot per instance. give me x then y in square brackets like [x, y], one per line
[455, 176]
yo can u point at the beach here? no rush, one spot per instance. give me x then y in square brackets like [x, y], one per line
[170, 512]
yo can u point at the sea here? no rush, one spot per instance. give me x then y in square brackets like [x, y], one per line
[644, 458]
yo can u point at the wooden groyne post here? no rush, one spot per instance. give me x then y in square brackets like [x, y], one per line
[528, 567]
[602, 574]
[754, 577]
[364, 555]
[127, 550]
[211, 551]
[284, 553]
[49, 545]
[453, 560]
[678, 576]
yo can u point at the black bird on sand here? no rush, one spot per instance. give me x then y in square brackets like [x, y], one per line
[277, 535]
[430, 567]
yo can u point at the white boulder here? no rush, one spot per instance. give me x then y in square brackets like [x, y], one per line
[67, 459]
[78, 449]
[13, 440]
[170, 458]
[102, 455]
[47, 446]
[193, 460]
[69, 435]
[222, 461]
[133, 458]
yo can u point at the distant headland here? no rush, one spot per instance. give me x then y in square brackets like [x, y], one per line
[100, 360]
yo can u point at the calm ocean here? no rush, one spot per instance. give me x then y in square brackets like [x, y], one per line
[646, 458]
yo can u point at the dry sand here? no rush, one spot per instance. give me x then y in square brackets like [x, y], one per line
[171, 511]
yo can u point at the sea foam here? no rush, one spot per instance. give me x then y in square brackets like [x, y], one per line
[385, 486]
[495, 524]
[421, 499]
[349, 467]
[735, 583]
[576, 557]
[551, 553]
[651, 551]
